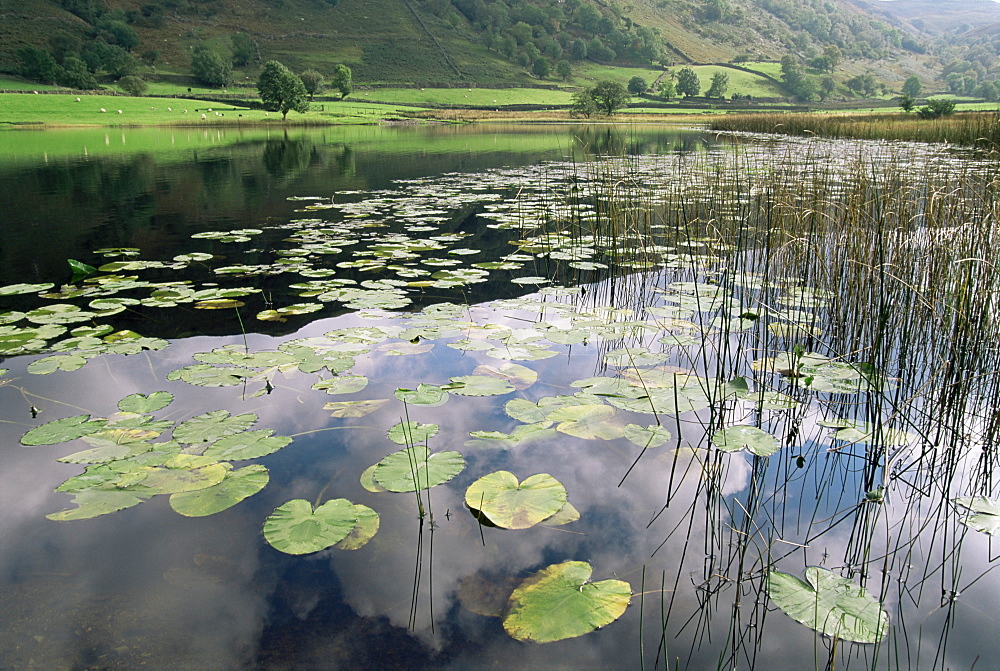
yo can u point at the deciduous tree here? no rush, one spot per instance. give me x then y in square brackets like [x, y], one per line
[342, 80]
[688, 83]
[280, 88]
[609, 96]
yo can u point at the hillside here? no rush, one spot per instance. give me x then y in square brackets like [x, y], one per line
[475, 42]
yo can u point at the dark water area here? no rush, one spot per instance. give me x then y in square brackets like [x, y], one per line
[402, 259]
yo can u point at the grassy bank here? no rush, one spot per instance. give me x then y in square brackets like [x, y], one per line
[105, 110]
[968, 128]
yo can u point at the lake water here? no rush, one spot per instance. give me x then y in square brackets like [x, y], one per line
[331, 285]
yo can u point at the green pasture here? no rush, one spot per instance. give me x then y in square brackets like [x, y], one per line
[8, 84]
[18, 109]
[466, 96]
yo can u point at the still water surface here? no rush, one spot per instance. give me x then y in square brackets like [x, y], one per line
[146, 586]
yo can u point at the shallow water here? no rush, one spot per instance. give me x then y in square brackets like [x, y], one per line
[693, 530]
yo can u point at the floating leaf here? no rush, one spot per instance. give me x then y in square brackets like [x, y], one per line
[735, 438]
[295, 528]
[411, 433]
[830, 604]
[236, 486]
[366, 528]
[479, 385]
[96, 502]
[513, 505]
[368, 480]
[416, 468]
[521, 377]
[183, 473]
[211, 426]
[425, 394]
[558, 603]
[587, 421]
[14, 289]
[141, 403]
[207, 375]
[246, 445]
[354, 408]
[346, 384]
[647, 436]
[62, 430]
[984, 515]
[63, 362]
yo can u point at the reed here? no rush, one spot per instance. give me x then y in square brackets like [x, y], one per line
[977, 129]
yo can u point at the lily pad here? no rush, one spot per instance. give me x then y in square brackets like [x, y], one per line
[236, 486]
[295, 528]
[416, 468]
[558, 603]
[984, 514]
[62, 430]
[246, 445]
[425, 394]
[479, 385]
[735, 438]
[647, 436]
[511, 504]
[141, 403]
[365, 529]
[411, 433]
[830, 604]
[354, 408]
[211, 426]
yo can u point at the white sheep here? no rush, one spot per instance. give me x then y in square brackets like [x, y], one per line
[203, 116]
[78, 100]
[119, 111]
[103, 110]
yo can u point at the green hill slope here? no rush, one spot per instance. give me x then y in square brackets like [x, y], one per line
[452, 42]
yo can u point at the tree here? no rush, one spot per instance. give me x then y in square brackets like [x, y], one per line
[37, 64]
[542, 68]
[637, 86]
[564, 70]
[906, 102]
[720, 82]
[688, 83]
[133, 85]
[827, 85]
[583, 104]
[609, 96]
[832, 55]
[936, 107]
[245, 49]
[281, 89]
[912, 87]
[313, 81]
[210, 68]
[75, 75]
[342, 80]
[666, 89]
[864, 85]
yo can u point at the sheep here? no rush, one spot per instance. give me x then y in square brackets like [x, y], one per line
[119, 111]
[103, 110]
[203, 116]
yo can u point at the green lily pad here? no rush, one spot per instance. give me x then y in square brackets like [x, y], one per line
[345, 384]
[295, 528]
[512, 505]
[236, 486]
[558, 603]
[141, 403]
[62, 430]
[520, 377]
[211, 426]
[15, 289]
[647, 436]
[425, 394]
[354, 408]
[830, 604]
[182, 473]
[984, 514]
[97, 502]
[735, 438]
[207, 375]
[416, 468]
[365, 529]
[246, 445]
[63, 362]
[479, 385]
[411, 433]
[587, 421]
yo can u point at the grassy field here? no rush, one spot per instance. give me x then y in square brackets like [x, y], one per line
[18, 109]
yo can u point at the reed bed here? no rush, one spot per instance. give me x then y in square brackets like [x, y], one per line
[978, 129]
[888, 255]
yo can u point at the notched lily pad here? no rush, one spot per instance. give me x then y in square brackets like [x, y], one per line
[558, 603]
[295, 528]
[510, 504]
[830, 604]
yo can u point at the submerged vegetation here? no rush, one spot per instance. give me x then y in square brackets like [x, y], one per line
[790, 361]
